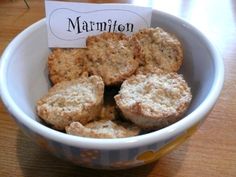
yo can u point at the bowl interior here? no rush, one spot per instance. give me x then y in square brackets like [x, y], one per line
[27, 77]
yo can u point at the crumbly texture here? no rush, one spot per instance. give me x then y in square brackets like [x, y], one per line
[103, 129]
[108, 112]
[76, 100]
[154, 101]
[159, 48]
[151, 96]
[113, 56]
[66, 64]
[149, 70]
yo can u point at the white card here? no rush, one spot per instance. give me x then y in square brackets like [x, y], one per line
[70, 23]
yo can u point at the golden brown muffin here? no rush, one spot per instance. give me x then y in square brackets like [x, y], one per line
[113, 56]
[159, 48]
[66, 64]
[154, 101]
[103, 129]
[76, 100]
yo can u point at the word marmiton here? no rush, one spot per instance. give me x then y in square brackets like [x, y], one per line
[80, 26]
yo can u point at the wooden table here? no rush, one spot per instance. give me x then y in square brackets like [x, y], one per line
[211, 151]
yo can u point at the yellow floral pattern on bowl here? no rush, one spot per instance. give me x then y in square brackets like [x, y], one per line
[87, 156]
[150, 156]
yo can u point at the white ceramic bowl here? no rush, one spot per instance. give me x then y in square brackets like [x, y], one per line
[24, 79]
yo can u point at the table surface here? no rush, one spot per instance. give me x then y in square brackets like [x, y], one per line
[211, 151]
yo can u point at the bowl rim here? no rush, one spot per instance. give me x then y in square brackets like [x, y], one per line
[121, 143]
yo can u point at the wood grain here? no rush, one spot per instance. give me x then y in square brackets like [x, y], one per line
[211, 151]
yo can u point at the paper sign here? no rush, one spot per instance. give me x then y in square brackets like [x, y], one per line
[70, 23]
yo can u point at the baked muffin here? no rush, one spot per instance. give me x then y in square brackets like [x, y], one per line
[154, 101]
[159, 49]
[103, 129]
[76, 100]
[113, 56]
[66, 64]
